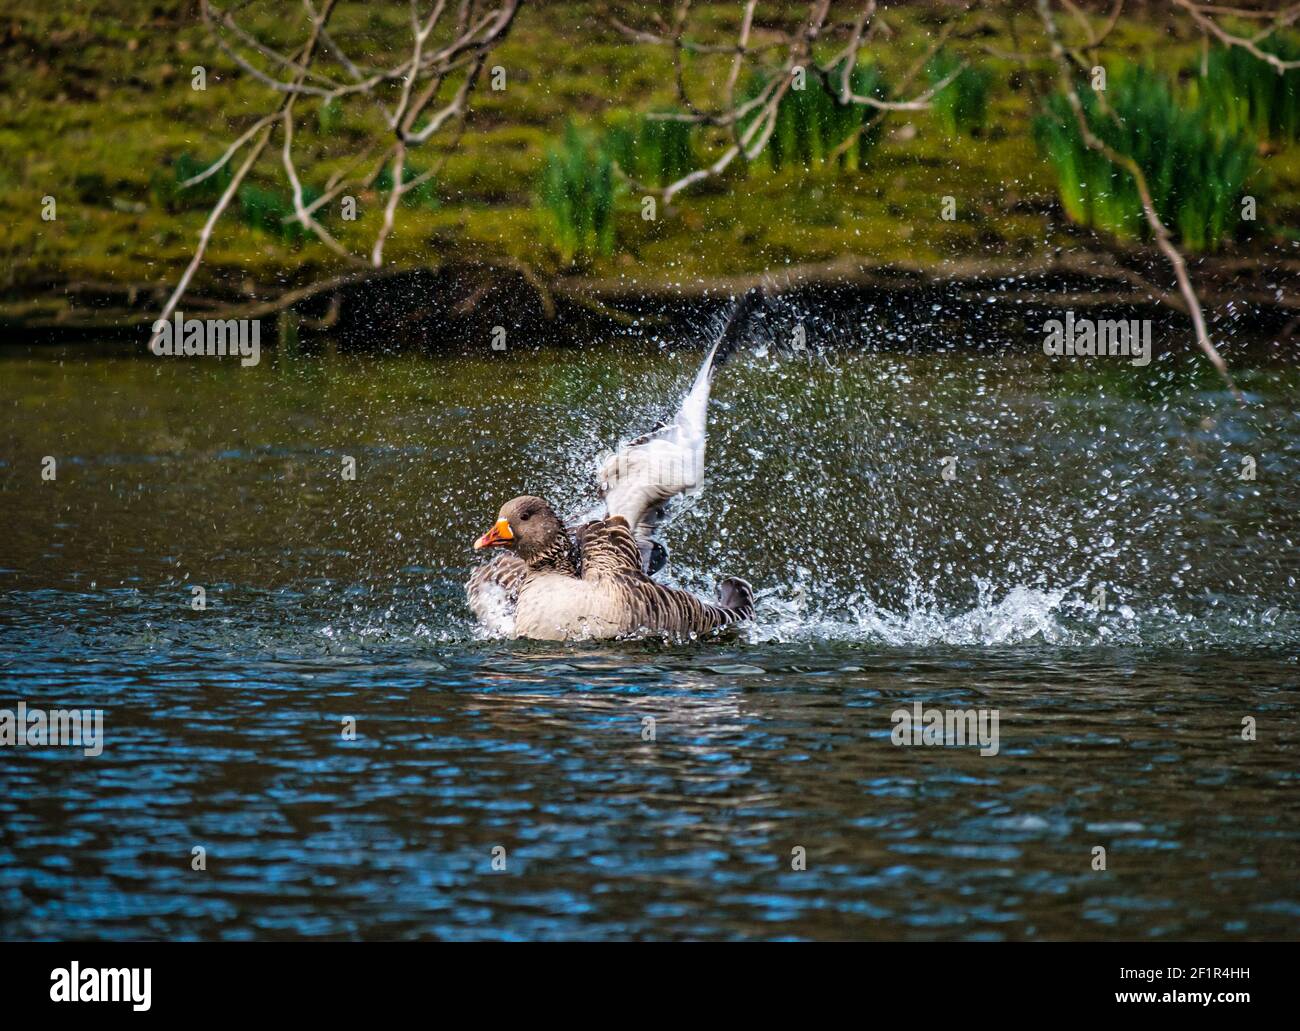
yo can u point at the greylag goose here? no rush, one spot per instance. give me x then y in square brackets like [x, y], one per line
[635, 483]
[590, 584]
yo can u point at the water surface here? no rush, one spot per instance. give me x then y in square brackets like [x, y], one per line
[881, 582]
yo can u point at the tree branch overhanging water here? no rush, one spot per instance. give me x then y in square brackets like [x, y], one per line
[473, 35]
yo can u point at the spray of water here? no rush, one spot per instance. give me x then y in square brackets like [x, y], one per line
[968, 499]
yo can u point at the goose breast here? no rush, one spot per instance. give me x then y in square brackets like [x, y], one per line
[555, 607]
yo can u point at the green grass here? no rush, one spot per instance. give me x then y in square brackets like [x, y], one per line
[1196, 175]
[1243, 94]
[962, 106]
[271, 211]
[95, 104]
[812, 126]
[652, 151]
[575, 196]
[166, 189]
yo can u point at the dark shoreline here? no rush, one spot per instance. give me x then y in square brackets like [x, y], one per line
[457, 305]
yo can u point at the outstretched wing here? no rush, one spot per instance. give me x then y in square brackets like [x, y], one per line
[644, 474]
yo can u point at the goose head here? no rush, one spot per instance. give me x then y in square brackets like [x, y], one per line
[528, 527]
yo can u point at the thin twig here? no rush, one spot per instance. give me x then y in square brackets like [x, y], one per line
[1129, 164]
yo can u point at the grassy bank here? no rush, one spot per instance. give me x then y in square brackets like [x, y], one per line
[96, 110]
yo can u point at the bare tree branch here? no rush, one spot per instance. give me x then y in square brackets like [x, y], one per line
[1127, 162]
[794, 47]
[308, 52]
[445, 48]
[1202, 15]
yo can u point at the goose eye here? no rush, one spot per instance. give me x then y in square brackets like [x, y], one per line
[524, 518]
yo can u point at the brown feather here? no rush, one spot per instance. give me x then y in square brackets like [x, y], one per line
[590, 584]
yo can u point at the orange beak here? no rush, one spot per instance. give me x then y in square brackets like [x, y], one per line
[497, 537]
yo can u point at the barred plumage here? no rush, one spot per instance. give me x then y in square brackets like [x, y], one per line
[598, 573]
[590, 584]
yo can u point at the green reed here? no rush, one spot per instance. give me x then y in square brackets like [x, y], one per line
[1196, 173]
[961, 107]
[813, 127]
[575, 196]
[1244, 94]
[271, 211]
[654, 151]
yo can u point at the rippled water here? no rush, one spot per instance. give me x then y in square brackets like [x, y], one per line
[881, 583]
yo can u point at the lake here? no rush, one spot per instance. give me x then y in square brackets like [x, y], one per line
[1103, 556]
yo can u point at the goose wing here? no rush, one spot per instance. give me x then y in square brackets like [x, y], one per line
[608, 550]
[493, 591]
[638, 480]
[610, 555]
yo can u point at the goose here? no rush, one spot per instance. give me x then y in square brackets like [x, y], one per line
[615, 595]
[590, 584]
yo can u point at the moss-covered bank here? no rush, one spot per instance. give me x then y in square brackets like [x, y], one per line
[96, 108]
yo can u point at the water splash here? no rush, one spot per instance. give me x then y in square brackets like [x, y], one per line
[971, 501]
[825, 488]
